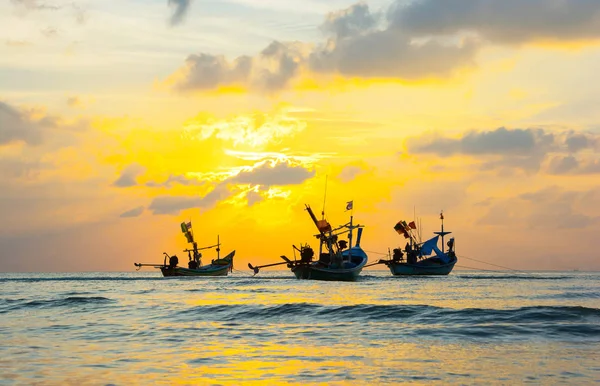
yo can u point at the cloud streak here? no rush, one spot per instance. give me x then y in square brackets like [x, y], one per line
[173, 205]
[129, 176]
[135, 212]
[180, 11]
[174, 179]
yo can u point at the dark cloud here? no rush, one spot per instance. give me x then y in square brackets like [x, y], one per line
[253, 197]
[570, 165]
[350, 172]
[181, 9]
[174, 204]
[576, 141]
[41, 136]
[50, 32]
[500, 21]
[525, 149]
[34, 128]
[264, 175]
[563, 164]
[499, 141]
[176, 179]
[507, 165]
[351, 21]
[387, 54]
[271, 70]
[204, 71]
[16, 125]
[135, 212]
[280, 64]
[81, 15]
[419, 39]
[74, 101]
[277, 174]
[17, 168]
[129, 176]
[357, 47]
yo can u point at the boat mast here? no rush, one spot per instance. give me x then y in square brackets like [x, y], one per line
[324, 199]
[323, 218]
[218, 247]
[442, 233]
[414, 218]
[350, 235]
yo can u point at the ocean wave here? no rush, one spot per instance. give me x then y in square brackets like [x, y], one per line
[549, 322]
[70, 301]
[552, 322]
[78, 279]
[512, 277]
[570, 295]
[381, 312]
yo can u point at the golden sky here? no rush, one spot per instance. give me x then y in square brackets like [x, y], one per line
[120, 119]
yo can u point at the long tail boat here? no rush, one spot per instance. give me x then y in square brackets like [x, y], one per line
[422, 258]
[220, 266]
[338, 259]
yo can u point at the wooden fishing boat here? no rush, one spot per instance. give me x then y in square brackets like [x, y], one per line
[220, 266]
[338, 259]
[422, 258]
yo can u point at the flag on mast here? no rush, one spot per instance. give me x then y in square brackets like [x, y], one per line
[349, 205]
[186, 226]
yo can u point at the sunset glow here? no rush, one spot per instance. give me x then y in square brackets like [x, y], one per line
[121, 119]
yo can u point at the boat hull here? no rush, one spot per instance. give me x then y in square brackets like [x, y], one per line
[424, 267]
[308, 272]
[317, 271]
[179, 271]
[207, 270]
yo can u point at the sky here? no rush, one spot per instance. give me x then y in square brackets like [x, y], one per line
[121, 119]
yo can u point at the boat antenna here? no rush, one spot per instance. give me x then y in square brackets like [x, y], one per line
[324, 199]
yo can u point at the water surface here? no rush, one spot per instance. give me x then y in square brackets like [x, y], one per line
[140, 328]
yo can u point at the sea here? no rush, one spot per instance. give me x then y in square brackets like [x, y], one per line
[138, 328]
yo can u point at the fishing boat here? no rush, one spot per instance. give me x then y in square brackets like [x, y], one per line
[422, 258]
[220, 266]
[338, 259]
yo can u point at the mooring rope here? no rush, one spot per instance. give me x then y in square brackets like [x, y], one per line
[242, 272]
[479, 269]
[377, 253]
[495, 265]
